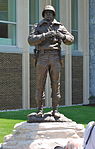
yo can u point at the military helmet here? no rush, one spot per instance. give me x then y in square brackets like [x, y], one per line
[48, 7]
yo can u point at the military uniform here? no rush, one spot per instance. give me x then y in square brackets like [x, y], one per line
[48, 60]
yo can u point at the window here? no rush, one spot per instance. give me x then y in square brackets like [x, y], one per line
[74, 20]
[56, 5]
[33, 12]
[7, 22]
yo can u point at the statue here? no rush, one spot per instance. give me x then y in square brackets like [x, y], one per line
[47, 36]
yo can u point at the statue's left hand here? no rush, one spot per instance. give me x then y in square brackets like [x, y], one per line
[59, 35]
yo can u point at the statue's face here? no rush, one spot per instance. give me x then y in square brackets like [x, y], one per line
[48, 15]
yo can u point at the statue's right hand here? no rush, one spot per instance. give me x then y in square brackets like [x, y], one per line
[50, 34]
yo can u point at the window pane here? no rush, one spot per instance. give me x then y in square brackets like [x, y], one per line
[56, 5]
[7, 30]
[8, 10]
[74, 18]
[33, 11]
[7, 34]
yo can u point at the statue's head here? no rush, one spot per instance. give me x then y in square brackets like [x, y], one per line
[48, 8]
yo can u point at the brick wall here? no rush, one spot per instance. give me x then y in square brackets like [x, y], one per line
[77, 79]
[32, 82]
[62, 82]
[10, 81]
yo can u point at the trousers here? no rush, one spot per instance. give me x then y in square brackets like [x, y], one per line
[48, 61]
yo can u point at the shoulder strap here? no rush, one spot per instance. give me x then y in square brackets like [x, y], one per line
[89, 134]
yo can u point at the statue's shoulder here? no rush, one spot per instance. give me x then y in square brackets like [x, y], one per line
[42, 22]
[37, 25]
[33, 27]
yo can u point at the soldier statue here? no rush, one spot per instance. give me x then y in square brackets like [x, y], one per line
[47, 36]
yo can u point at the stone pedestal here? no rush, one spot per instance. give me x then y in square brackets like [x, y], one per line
[44, 135]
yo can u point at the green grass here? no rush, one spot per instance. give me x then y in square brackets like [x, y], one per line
[80, 114]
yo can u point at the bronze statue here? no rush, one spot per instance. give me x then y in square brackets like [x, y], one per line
[47, 36]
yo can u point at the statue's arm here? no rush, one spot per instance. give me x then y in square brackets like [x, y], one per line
[35, 38]
[69, 38]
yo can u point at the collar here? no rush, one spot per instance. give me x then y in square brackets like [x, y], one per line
[44, 21]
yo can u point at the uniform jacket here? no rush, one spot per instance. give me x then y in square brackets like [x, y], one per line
[37, 36]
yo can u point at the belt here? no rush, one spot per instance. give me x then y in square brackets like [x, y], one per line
[48, 50]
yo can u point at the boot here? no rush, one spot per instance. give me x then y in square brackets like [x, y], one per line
[40, 112]
[55, 113]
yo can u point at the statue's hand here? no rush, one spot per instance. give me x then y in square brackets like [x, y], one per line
[59, 35]
[50, 34]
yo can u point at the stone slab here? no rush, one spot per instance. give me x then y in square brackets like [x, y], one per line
[44, 135]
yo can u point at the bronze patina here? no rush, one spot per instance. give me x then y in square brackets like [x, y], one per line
[47, 37]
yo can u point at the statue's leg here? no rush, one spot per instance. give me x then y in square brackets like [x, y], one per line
[55, 82]
[41, 74]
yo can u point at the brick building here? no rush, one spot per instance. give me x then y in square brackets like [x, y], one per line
[17, 72]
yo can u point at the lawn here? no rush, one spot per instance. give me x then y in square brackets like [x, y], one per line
[80, 114]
